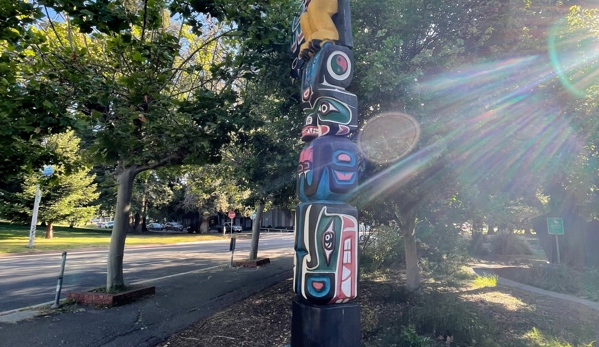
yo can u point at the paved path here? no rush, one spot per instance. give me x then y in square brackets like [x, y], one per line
[31, 279]
[480, 269]
[179, 301]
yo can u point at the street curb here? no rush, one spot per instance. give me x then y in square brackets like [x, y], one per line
[29, 308]
[101, 249]
[34, 307]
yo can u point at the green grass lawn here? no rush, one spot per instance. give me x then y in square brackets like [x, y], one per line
[15, 238]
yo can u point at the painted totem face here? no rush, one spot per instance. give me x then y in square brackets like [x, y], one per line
[327, 170]
[310, 129]
[304, 168]
[334, 116]
[327, 254]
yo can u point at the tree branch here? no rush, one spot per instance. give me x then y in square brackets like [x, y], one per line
[143, 29]
[52, 25]
[172, 157]
[184, 62]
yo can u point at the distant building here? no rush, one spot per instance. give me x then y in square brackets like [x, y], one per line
[278, 218]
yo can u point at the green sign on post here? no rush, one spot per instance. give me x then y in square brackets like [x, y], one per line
[555, 226]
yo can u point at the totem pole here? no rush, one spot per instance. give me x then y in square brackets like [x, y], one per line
[326, 239]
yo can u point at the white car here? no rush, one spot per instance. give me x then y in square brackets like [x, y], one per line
[227, 227]
[155, 226]
[108, 225]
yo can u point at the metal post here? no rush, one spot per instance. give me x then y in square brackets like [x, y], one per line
[557, 246]
[232, 249]
[59, 285]
[36, 206]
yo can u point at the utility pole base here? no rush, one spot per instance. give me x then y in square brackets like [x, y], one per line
[325, 326]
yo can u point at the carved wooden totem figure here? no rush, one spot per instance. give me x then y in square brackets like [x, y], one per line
[326, 240]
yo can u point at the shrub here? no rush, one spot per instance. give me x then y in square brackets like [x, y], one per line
[485, 280]
[590, 284]
[443, 315]
[384, 247]
[557, 278]
[410, 338]
[538, 339]
[479, 245]
[509, 244]
[442, 249]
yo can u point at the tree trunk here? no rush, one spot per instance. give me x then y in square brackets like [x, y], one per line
[144, 228]
[204, 227]
[49, 230]
[409, 237]
[256, 231]
[144, 224]
[114, 276]
[137, 222]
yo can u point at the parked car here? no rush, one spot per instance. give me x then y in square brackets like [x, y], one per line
[105, 225]
[173, 226]
[227, 226]
[155, 226]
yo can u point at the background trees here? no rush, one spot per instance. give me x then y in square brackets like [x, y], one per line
[157, 83]
[189, 105]
[33, 104]
[499, 126]
[68, 196]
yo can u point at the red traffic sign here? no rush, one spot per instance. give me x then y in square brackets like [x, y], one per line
[231, 214]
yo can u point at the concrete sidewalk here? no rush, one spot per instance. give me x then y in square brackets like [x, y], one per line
[481, 269]
[178, 303]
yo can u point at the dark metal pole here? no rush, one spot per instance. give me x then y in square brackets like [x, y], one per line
[59, 285]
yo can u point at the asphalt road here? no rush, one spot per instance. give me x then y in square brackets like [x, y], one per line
[27, 280]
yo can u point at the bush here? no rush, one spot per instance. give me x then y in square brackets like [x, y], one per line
[410, 338]
[442, 249]
[590, 284]
[383, 248]
[444, 315]
[560, 278]
[485, 281]
[557, 278]
[509, 244]
[538, 339]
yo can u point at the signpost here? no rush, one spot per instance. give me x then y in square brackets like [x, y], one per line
[555, 226]
[231, 215]
[46, 172]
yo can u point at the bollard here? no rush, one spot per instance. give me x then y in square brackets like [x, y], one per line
[59, 285]
[232, 249]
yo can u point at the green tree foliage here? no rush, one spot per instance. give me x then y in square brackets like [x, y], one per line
[214, 188]
[399, 44]
[156, 83]
[499, 125]
[68, 196]
[32, 103]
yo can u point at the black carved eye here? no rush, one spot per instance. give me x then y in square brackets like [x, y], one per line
[326, 107]
[329, 240]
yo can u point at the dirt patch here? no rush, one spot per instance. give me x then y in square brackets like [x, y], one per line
[264, 320]
[516, 312]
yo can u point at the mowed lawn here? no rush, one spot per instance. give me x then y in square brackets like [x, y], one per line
[15, 238]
